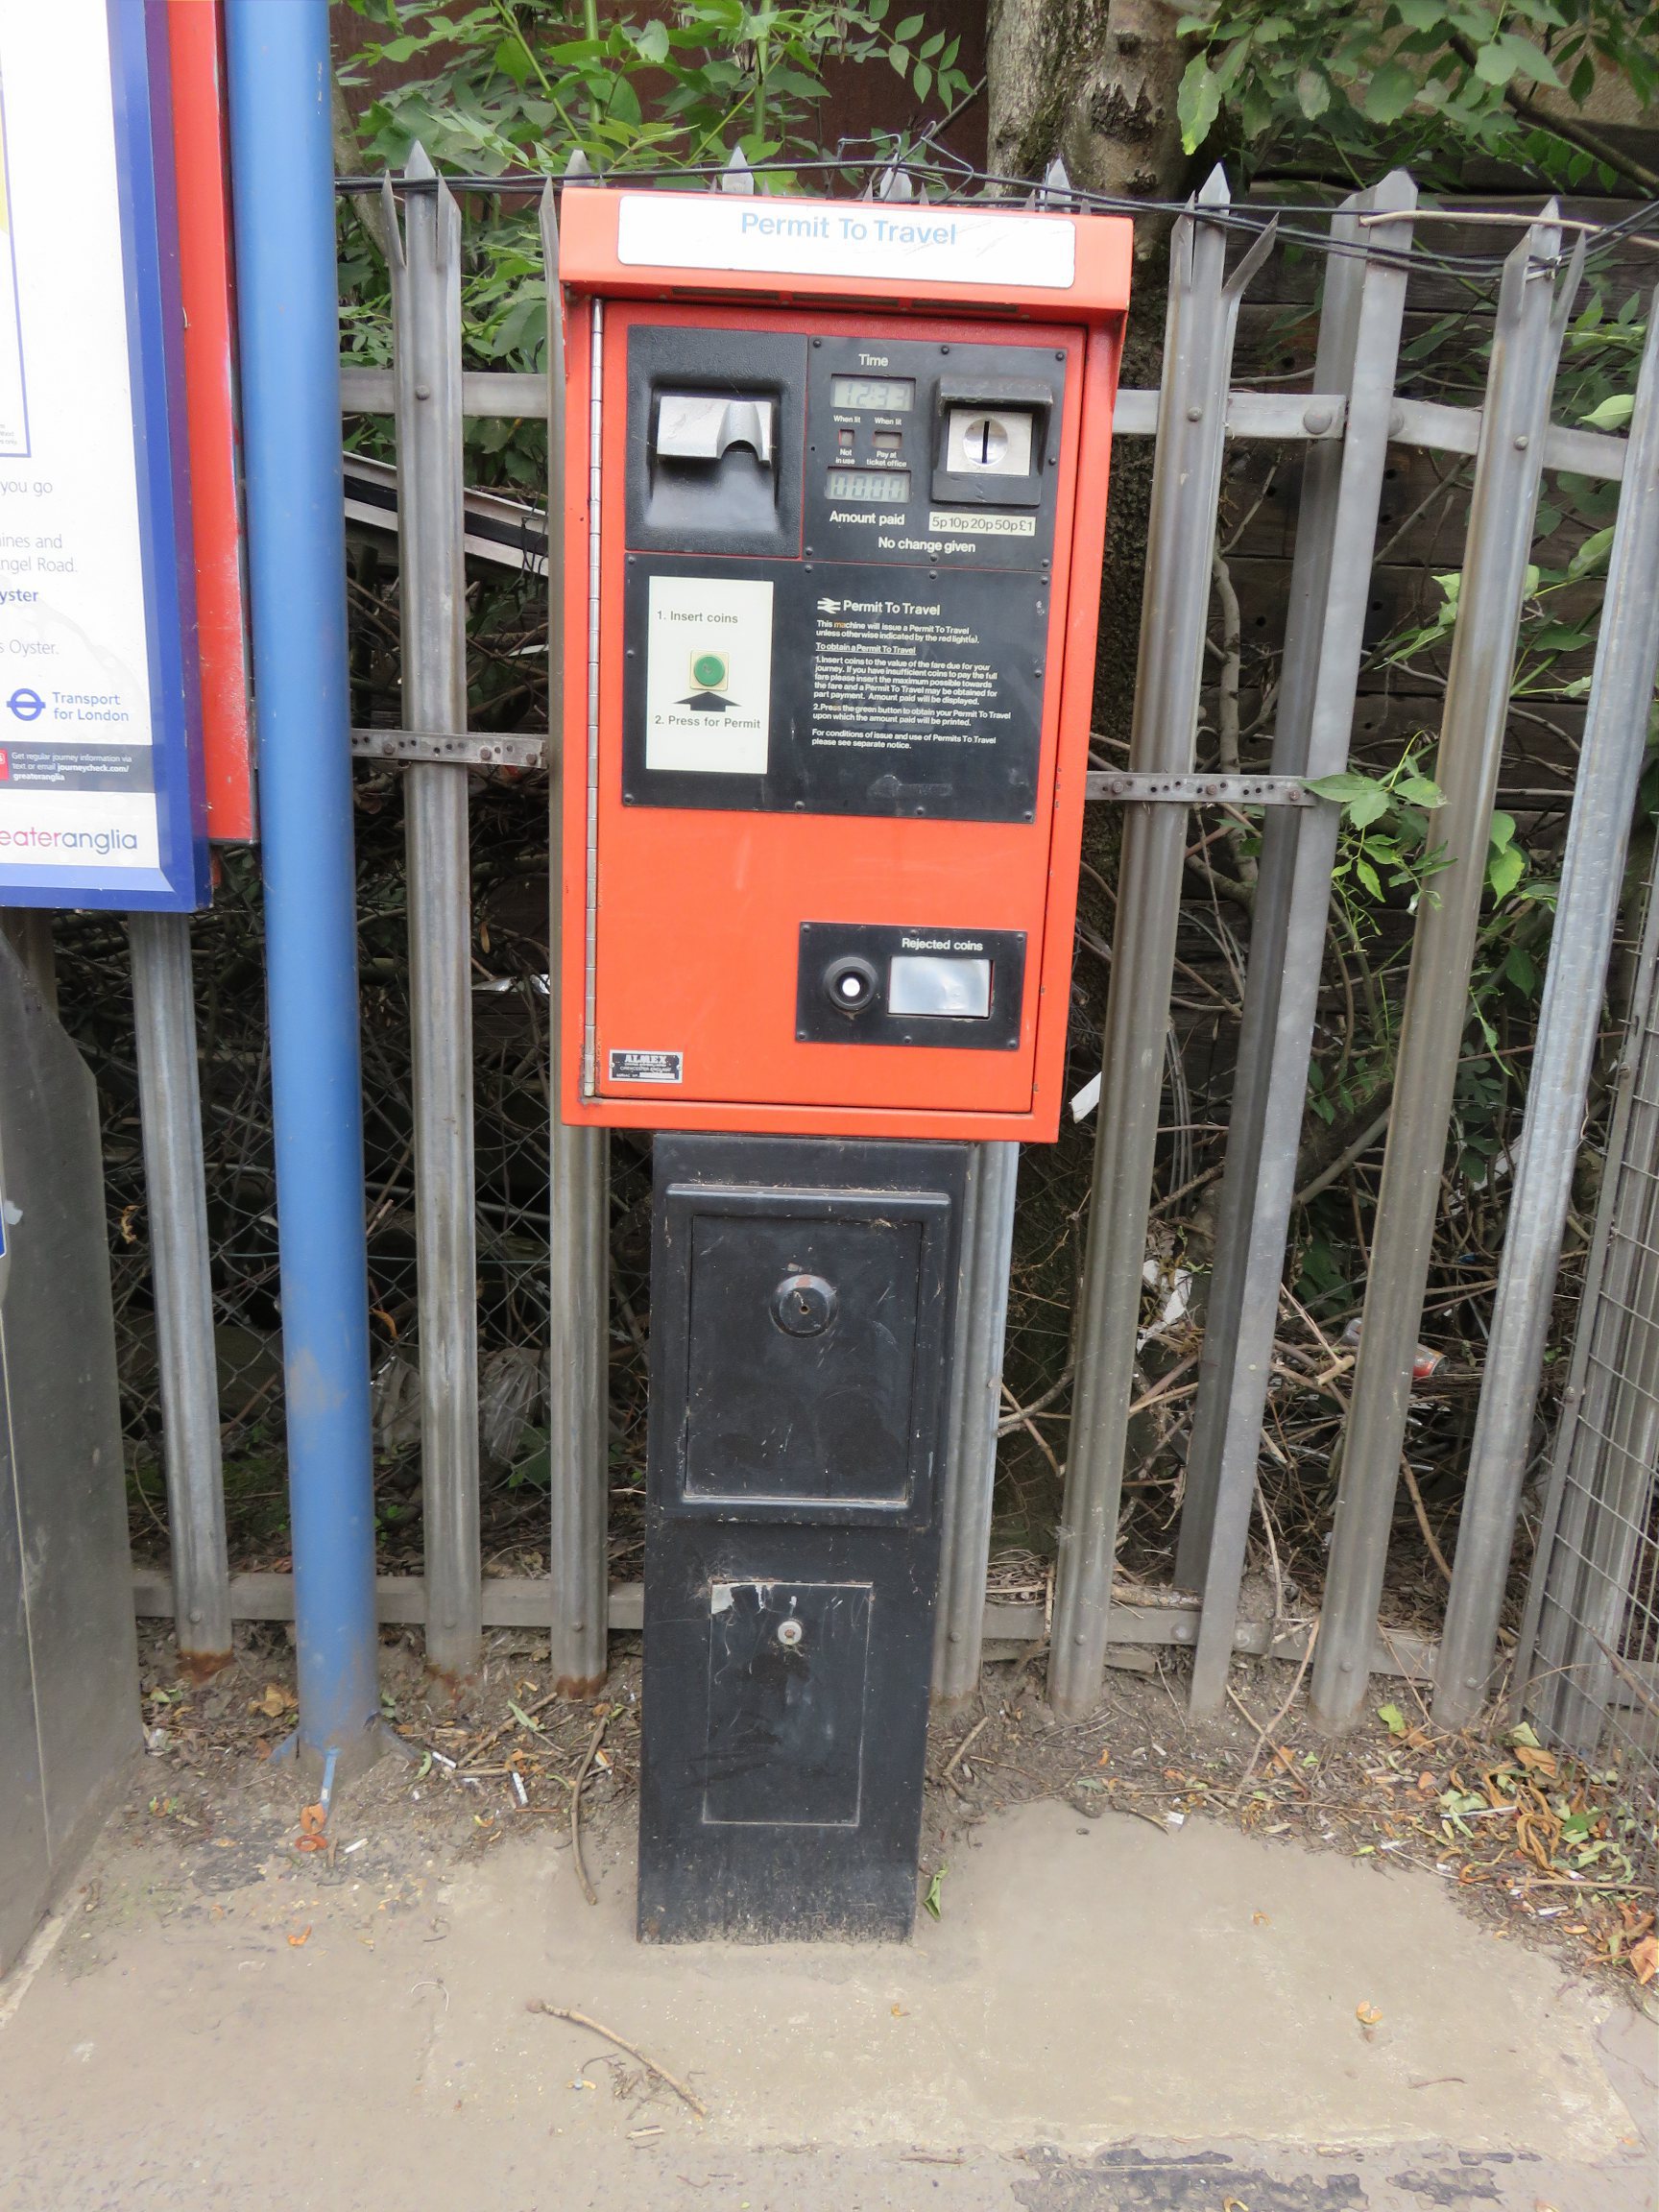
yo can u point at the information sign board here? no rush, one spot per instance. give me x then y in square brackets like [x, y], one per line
[101, 784]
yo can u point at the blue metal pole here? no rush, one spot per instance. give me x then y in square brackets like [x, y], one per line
[284, 174]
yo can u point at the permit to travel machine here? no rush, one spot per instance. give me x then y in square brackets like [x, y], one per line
[836, 478]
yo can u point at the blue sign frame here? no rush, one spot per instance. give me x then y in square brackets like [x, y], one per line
[144, 164]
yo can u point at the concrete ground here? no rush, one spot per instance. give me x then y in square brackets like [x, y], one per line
[1104, 2017]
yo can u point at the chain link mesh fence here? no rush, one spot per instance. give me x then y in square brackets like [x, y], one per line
[1593, 1684]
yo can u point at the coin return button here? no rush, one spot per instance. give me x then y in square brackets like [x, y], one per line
[940, 985]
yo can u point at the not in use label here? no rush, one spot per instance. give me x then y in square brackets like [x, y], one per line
[633, 1067]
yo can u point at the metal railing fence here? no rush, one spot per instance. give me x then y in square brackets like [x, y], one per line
[522, 1213]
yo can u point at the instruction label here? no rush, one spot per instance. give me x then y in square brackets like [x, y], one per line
[840, 688]
[707, 675]
[902, 672]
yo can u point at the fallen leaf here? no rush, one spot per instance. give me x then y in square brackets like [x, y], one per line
[899, 2012]
[1260, 1920]
[1645, 1959]
[1392, 1718]
[273, 1702]
[1232, 2204]
[1426, 1784]
[1367, 2015]
[1105, 1758]
[1537, 1762]
[303, 1937]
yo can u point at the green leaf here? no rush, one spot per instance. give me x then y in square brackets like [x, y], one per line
[1420, 14]
[922, 80]
[1367, 875]
[1493, 65]
[908, 27]
[1197, 104]
[1390, 92]
[1520, 969]
[650, 43]
[1420, 791]
[1312, 93]
[1504, 870]
[1613, 413]
[1503, 831]
[930, 1901]
[1591, 553]
[1370, 807]
[1527, 60]
[1507, 56]
[899, 57]
[1343, 786]
[1393, 1719]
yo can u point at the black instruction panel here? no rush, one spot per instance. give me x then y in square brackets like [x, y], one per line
[839, 573]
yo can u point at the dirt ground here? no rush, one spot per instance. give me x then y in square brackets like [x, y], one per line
[1226, 1968]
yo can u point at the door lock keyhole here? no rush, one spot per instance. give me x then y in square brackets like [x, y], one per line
[804, 1304]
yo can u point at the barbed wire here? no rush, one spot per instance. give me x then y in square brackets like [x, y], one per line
[927, 165]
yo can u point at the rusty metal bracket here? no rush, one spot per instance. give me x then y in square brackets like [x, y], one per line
[465, 749]
[1130, 788]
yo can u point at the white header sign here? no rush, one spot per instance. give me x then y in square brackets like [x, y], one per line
[914, 245]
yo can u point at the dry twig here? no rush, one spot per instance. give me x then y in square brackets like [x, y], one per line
[597, 2028]
[587, 1890]
[977, 1729]
[1263, 1734]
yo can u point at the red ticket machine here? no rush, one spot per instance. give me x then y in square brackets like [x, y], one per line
[836, 499]
[836, 478]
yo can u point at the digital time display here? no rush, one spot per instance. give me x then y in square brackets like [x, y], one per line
[870, 487]
[874, 394]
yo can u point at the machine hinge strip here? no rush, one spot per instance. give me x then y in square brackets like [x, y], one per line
[590, 946]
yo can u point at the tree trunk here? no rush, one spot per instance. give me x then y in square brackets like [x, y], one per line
[1094, 82]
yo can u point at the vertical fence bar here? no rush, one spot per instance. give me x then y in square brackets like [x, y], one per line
[977, 1396]
[28, 931]
[1592, 874]
[1526, 343]
[431, 528]
[578, 1199]
[1192, 433]
[282, 158]
[175, 1176]
[1330, 592]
